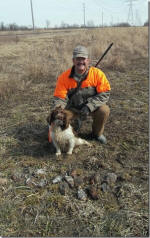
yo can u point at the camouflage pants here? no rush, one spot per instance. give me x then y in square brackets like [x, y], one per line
[99, 116]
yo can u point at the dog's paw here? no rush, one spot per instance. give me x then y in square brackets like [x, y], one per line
[58, 153]
[89, 144]
[69, 153]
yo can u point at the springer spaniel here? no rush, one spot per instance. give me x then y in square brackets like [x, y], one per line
[61, 131]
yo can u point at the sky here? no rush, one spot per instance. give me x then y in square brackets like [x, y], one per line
[54, 13]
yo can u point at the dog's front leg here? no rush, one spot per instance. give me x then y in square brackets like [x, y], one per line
[58, 151]
[71, 146]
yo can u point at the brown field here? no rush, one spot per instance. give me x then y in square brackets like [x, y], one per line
[30, 204]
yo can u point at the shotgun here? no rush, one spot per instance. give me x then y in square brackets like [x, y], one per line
[104, 54]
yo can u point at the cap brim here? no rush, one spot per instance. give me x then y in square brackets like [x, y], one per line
[80, 55]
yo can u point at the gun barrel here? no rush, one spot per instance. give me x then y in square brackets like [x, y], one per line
[104, 54]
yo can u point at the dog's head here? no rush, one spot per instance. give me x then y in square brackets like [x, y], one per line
[59, 118]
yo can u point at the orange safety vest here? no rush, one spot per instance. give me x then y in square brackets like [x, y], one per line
[95, 78]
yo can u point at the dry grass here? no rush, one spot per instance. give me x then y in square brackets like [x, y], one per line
[28, 71]
[36, 58]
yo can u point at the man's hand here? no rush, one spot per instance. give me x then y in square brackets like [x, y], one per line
[84, 112]
[58, 106]
[77, 100]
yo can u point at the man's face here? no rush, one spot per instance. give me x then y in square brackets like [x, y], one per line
[81, 64]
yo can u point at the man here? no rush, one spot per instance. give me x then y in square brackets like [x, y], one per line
[90, 97]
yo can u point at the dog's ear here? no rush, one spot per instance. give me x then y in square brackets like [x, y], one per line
[50, 118]
[65, 122]
[67, 118]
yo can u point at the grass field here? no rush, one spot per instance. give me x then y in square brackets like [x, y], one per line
[30, 204]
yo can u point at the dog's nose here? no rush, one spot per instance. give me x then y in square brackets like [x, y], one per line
[58, 122]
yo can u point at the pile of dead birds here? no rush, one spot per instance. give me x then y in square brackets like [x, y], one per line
[85, 186]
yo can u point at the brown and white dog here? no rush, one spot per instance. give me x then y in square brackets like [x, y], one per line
[62, 134]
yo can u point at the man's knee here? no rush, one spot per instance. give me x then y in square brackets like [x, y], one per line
[102, 111]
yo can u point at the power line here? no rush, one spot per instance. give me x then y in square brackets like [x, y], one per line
[108, 9]
[102, 19]
[84, 13]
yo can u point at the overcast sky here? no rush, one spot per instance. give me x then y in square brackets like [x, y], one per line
[72, 12]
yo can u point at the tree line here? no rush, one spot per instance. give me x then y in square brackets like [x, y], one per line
[15, 27]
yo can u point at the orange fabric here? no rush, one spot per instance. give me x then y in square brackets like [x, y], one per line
[96, 78]
[49, 135]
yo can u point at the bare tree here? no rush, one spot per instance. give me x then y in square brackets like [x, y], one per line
[90, 23]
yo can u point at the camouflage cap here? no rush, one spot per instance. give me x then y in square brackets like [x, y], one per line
[80, 51]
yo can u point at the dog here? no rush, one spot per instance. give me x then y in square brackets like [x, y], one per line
[62, 134]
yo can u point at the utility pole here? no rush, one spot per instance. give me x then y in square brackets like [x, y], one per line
[102, 19]
[84, 13]
[130, 18]
[32, 14]
[111, 21]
